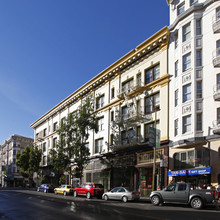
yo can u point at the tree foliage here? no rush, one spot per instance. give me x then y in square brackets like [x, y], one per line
[71, 150]
[29, 160]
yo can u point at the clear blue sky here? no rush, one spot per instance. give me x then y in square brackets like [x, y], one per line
[50, 48]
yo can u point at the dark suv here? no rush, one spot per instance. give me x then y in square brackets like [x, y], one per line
[89, 190]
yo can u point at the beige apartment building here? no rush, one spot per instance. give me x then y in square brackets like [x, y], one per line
[9, 173]
[132, 95]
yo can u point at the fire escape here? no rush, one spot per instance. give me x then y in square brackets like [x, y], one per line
[128, 117]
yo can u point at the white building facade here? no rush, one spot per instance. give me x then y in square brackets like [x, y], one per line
[194, 109]
[132, 94]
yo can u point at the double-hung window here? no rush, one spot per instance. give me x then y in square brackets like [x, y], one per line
[199, 121]
[198, 58]
[100, 102]
[186, 92]
[176, 68]
[199, 89]
[198, 27]
[127, 86]
[186, 124]
[176, 97]
[54, 142]
[152, 74]
[98, 145]
[152, 103]
[186, 32]
[176, 127]
[180, 8]
[176, 36]
[101, 124]
[186, 62]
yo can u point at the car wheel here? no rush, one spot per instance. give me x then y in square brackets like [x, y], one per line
[55, 191]
[75, 194]
[105, 197]
[88, 195]
[155, 200]
[196, 203]
[124, 198]
[64, 193]
[45, 191]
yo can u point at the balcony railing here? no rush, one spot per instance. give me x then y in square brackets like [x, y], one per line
[216, 23]
[129, 90]
[216, 58]
[131, 116]
[216, 126]
[216, 93]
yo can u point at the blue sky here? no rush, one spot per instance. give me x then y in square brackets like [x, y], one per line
[50, 48]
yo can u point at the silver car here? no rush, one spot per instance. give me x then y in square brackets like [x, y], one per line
[121, 193]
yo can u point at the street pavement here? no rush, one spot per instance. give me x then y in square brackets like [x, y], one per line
[22, 204]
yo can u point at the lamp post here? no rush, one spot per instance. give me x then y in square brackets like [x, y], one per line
[154, 147]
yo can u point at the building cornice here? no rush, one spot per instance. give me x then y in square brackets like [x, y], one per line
[145, 49]
[193, 8]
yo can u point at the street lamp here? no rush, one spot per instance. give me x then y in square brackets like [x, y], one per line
[154, 158]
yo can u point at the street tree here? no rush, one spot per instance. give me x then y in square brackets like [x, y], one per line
[71, 153]
[29, 161]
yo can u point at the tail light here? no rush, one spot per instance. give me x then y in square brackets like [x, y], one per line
[214, 194]
[133, 193]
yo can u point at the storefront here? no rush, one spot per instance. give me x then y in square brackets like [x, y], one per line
[96, 171]
[145, 170]
[197, 177]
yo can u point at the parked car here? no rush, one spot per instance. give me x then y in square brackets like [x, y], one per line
[89, 190]
[45, 188]
[181, 193]
[64, 189]
[121, 193]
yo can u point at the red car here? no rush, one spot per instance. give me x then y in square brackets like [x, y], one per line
[89, 190]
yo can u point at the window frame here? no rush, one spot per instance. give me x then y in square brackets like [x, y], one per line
[198, 27]
[152, 74]
[187, 95]
[186, 32]
[199, 121]
[98, 145]
[100, 101]
[199, 58]
[187, 125]
[180, 8]
[187, 62]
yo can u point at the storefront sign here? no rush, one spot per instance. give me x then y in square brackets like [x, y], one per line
[199, 171]
[190, 172]
[177, 173]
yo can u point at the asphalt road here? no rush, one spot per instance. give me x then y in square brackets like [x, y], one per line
[32, 205]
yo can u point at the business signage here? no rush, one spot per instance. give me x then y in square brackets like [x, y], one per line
[177, 173]
[200, 171]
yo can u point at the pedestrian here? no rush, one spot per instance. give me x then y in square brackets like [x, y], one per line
[218, 190]
[209, 186]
